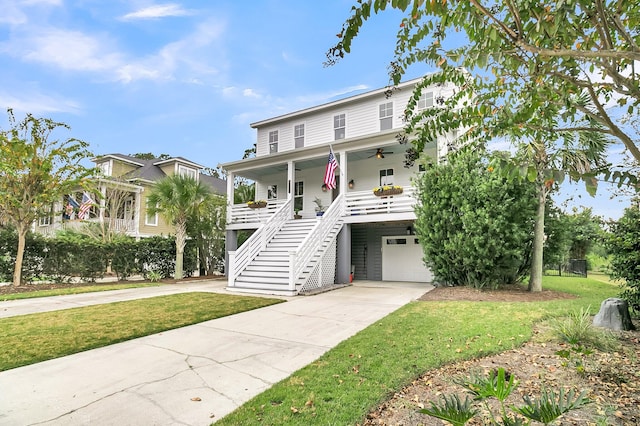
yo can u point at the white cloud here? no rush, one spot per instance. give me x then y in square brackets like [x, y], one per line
[250, 93]
[183, 55]
[13, 13]
[157, 11]
[68, 50]
[38, 103]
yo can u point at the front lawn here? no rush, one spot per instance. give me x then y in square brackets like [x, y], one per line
[345, 383]
[28, 339]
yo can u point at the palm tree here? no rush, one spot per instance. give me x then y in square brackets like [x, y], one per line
[177, 198]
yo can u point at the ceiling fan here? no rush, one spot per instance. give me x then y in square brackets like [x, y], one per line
[379, 153]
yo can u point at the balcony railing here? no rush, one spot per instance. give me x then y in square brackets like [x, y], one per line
[117, 225]
[357, 203]
[366, 203]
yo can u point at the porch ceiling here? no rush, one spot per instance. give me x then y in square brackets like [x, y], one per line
[357, 149]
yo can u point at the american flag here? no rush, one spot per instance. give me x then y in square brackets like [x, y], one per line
[330, 171]
[87, 202]
[72, 205]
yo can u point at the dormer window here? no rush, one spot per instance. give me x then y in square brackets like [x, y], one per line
[339, 125]
[273, 142]
[187, 172]
[426, 100]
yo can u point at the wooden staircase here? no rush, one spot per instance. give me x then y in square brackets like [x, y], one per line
[269, 271]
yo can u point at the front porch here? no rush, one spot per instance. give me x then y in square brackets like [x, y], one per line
[358, 207]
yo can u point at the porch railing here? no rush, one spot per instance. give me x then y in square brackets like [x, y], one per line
[365, 203]
[241, 213]
[117, 225]
[300, 259]
[240, 259]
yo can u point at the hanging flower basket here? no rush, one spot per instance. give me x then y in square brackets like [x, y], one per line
[257, 204]
[386, 190]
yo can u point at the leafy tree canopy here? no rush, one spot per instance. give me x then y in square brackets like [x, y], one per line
[570, 60]
[150, 156]
[36, 171]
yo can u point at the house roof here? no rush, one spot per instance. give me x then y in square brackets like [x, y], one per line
[150, 171]
[217, 185]
[332, 104]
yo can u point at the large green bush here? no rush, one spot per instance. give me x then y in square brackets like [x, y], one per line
[71, 254]
[474, 226]
[624, 247]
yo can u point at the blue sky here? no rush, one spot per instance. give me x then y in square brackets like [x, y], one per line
[187, 78]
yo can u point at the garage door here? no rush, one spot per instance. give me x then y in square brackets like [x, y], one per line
[402, 260]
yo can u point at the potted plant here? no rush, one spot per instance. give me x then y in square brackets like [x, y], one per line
[257, 204]
[386, 190]
[319, 207]
[297, 214]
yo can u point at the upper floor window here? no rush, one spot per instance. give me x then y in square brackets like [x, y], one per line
[386, 116]
[426, 100]
[186, 172]
[104, 168]
[298, 135]
[339, 124]
[273, 142]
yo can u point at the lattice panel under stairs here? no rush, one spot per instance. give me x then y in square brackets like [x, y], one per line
[324, 273]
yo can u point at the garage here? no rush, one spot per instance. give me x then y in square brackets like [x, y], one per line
[402, 260]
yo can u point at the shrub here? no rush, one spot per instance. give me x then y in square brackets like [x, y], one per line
[475, 227]
[624, 247]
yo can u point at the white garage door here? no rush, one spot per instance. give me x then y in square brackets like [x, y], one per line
[402, 260]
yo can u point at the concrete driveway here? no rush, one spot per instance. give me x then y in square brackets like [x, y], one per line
[196, 374]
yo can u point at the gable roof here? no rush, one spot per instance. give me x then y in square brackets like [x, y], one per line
[150, 171]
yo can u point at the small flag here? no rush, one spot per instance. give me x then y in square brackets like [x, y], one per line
[330, 171]
[87, 202]
[70, 209]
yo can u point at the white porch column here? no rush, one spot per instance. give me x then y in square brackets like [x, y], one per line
[103, 201]
[136, 218]
[343, 172]
[291, 176]
[230, 192]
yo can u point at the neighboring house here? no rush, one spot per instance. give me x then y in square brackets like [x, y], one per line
[361, 233]
[124, 183]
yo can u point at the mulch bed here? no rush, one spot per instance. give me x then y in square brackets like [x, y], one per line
[611, 379]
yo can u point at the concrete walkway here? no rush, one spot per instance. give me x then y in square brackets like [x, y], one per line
[196, 374]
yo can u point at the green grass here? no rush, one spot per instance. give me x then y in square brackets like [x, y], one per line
[74, 290]
[346, 382]
[28, 339]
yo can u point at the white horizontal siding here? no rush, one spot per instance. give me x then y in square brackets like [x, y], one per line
[362, 118]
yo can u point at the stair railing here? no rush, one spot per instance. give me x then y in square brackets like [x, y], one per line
[241, 258]
[298, 260]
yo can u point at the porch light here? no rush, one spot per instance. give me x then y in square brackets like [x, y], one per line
[324, 187]
[351, 184]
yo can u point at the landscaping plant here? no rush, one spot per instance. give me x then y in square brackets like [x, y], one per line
[499, 384]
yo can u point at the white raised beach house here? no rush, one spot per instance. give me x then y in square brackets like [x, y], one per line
[360, 235]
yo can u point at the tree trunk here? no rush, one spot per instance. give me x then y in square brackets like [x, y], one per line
[535, 278]
[181, 240]
[17, 269]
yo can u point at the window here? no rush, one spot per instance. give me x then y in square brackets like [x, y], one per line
[386, 177]
[104, 168]
[186, 172]
[151, 219]
[386, 116]
[426, 100]
[273, 142]
[298, 196]
[298, 135]
[339, 126]
[272, 192]
[44, 221]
